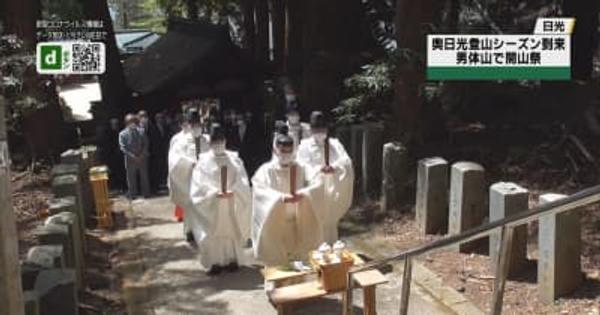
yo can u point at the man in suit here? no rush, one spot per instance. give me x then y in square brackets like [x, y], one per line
[110, 154]
[143, 121]
[134, 146]
[159, 136]
[231, 130]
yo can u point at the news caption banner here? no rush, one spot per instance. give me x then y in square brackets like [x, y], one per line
[543, 55]
[71, 47]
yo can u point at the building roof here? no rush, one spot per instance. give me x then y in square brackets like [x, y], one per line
[192, 58]
[135, 41]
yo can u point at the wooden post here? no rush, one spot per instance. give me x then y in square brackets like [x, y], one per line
[406, 277]
[224, 179]
[502, 269]
[370, 302]
[11, 291]
[347, 296]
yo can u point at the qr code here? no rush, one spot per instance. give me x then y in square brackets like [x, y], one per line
[87, 57]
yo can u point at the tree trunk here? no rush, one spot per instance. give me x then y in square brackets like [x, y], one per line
[452, 16]
[115, 94]
[19, 17]
[262, 32]
[278, 16]
[411, 17]
[332, 42]
[192, 9]
[297, 17]
[124, 15]
[249, 26]
[11, 292]
[584, 42]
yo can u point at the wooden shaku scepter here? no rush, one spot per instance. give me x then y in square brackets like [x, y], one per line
[293, 174]
[326, 148]
[223, 179]
[293, 179]
[198, 143]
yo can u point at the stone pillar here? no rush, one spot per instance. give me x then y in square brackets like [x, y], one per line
[29, 273]
[467, 201]
[507, 199]
[432, 196]
[80, 158]
[62, 204]
[68, 205]
[394, 174]
[65, 169]
[372, 152]
[56, 234]
[32, 302]
[56, 289]
[31, 297]
[47, 256]
[559, 263]
[69, 220]
[71, 156]
[69, 185]
[344, 134]
[90, 155]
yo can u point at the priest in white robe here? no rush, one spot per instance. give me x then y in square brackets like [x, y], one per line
[221, 214]
[297, 129]
[184, 149]
[285, 222]
[328, 162]
[280, 128]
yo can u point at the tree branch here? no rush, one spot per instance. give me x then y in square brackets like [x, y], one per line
[486, 16]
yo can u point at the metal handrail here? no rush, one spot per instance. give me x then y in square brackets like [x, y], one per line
[575, 201]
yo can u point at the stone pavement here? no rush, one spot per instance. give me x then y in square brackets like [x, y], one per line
[162, 275]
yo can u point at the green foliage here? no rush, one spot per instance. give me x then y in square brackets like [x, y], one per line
[62, 10]
[154, 14]
[370, 92]
[17, 67]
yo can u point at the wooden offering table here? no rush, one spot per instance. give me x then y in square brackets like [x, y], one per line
[293, 287]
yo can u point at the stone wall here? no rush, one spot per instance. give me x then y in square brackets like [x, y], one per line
[53, 274]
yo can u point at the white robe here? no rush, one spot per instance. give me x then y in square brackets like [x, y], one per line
[181, 160]
[298, 132]
[284, 231]
[221, 226]
[338, 186]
